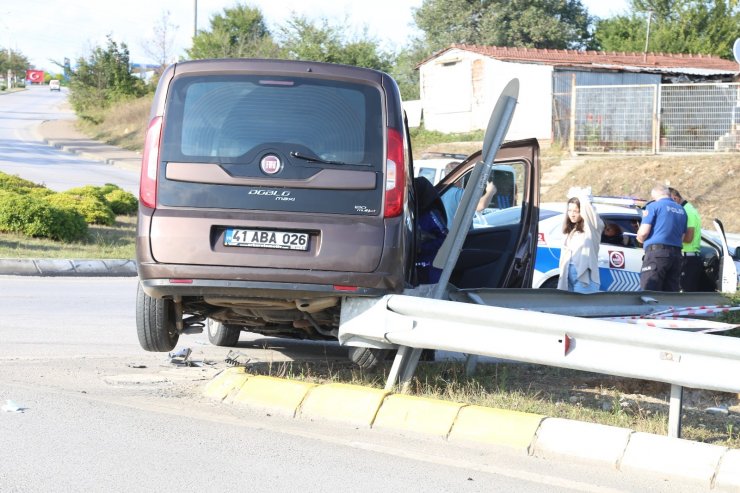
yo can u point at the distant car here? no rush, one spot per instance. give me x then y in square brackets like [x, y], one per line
[432, 165]
[620, 257]
[271, 190]
[55, 85]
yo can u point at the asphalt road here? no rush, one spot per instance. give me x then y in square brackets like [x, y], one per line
[100, 414]
[22, 152]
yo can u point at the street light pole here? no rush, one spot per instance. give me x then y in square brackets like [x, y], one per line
[195, 17]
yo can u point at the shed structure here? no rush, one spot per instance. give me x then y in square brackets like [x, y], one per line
[460, 84]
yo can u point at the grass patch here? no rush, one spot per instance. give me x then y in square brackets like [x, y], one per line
[124, 124]
[103, 242]
[421, 138]
[555, 392]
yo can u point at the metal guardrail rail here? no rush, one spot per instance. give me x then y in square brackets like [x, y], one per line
[682, 359]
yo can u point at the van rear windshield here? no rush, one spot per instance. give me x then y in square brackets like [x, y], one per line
[222, 118]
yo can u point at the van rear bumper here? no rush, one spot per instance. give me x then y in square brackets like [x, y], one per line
[164, 280]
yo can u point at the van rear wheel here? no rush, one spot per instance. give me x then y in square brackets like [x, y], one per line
[155, 322]
[222, 335]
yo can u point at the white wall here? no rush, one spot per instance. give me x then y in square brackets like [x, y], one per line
[453, 102]
[413, 112]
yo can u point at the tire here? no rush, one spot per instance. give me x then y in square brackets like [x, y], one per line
[222, 335]
[155, 322]
[367, 358]
[551, 283]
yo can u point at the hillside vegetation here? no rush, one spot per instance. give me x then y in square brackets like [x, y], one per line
[710, 181]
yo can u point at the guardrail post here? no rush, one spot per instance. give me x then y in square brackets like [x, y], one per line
[674, 411]
[449, 252]
[403, 368]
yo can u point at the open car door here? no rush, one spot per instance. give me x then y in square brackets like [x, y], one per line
[499, 249]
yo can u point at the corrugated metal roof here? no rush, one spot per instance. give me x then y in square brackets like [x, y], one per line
[653, 62]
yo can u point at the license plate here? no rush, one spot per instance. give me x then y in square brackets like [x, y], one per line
[260, 238]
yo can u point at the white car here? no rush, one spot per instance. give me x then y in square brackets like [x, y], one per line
[620, 257]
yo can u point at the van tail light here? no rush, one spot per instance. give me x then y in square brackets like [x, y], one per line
[395, 175]
[150, 164]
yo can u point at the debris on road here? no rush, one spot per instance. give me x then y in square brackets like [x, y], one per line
[721, 409]
[235, 358]
[180, 358]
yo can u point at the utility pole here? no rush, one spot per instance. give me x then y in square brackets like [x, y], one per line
[195, 17]
[647, 35]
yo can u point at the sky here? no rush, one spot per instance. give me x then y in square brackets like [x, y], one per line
[47, 31]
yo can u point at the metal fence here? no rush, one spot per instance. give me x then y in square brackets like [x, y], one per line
[650, 118]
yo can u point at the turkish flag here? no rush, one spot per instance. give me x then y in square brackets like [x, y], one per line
[35, 76]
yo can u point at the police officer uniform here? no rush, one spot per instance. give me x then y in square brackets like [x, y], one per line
[692, 267]
[661, 265]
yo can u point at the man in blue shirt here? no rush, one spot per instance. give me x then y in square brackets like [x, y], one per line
[662, 233]
[453, 195]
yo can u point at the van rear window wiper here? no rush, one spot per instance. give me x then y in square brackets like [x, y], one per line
[298, 155]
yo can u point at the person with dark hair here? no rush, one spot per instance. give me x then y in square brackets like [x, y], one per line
[692, 265]
[661, 233]
[613, 234]
[579, 257]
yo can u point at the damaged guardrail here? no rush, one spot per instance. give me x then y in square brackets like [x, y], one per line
[682, 359]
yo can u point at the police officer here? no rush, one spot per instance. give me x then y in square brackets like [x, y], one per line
[692, 265]
[661, 233]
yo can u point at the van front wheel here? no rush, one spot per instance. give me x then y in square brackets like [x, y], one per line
[367, 358]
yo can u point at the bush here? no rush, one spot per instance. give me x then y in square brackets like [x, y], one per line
[119, 200]
[92, 208]
[122, 202]
[88, 191]
[14, 183]
[32, 217]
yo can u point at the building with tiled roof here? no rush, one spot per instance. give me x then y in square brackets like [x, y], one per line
[633, 62]
[459, 85]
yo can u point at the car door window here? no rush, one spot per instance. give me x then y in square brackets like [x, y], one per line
[499, 234]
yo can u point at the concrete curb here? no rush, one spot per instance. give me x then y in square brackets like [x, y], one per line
[72, 141]
[64, 267]
[709, 465]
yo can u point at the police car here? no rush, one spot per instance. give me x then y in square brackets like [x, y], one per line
[620, 256]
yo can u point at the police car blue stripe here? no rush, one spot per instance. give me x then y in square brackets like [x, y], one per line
[621, 280]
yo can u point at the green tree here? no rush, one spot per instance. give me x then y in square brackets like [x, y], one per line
[555, 24]
[404, 71]
[676, 26]
[301, 39]
[14, 61]
[103, 78]
[238, 32]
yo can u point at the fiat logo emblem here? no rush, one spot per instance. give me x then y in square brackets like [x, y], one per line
[270, 164]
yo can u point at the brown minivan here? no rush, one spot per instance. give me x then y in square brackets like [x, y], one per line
[270, 189]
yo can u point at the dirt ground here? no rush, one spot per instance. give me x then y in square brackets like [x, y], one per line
[714, 416]
[710, 182]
